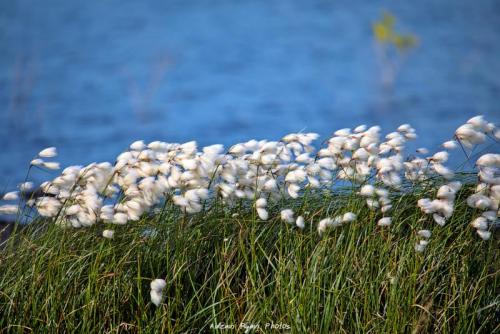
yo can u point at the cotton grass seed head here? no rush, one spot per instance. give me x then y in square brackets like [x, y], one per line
[450, 145]
[300, 222]
[424, 234]
[386, 221]
[348, 217]
[11, 196]
[49, 152]
[158, 284]
[8, 209]
[26, 186]
[287, 216]
[485, 235]
[51, 165]
[109, 234]
[262, 213]
[156, 297]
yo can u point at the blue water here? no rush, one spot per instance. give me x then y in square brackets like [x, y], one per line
[92, 76]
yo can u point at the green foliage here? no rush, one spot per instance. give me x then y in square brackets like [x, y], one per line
[219, 267]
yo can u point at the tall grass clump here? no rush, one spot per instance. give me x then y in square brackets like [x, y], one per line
[267, 236]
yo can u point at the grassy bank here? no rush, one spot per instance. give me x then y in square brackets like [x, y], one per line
[227, 268]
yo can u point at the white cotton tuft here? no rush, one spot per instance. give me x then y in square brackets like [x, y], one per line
[423, 242]
[157, 287]
[138, 145]
[440, 220]
[261, 203]
[386, 208]
[36, 162]
[158, 284]
[348, 217]
[367, 190]
[480, 223]
[156, 297]
[120, 218]
[26, 186]
[51, 165]
[386, 221]
[419, 248]
[360, 128]
[441, 156]
[109, 234]
[49, 152]
[450, 145]
[8, 209]
[11, 196]
[293, 190]
[422, 150]
[478, 122]
[485, 235]
[443, 171]
[424, 234]
[490, 215]
[262, 213]
[421, 245]
[287, 216]
[73, 210]
[489, 160]
[300, 222]
[323, 224]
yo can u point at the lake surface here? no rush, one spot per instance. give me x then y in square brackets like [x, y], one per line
[90, 77]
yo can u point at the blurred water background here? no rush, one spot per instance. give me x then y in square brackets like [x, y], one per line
[90, 77]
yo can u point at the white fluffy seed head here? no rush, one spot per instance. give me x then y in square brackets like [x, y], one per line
[478, 122]
[450, 145]
[485, 235]
[424, 234]
[386, 208]
[156, 297]
[490, 215]
[360, 128]
[480, 223]
[158, 284]
[26, 186]
[489, 160]
[293, 190]
[36, 162]
[441, 156]
[323, 225]
[109, 234]
[440, 220]
[287, 216]
[262, 213]
[443, 171]
[8, 209]
[423, 242]
[51, 165]
[261, 203]
[348, 217]
[367, 190]
[300, 222]
[49, 152]
[138, 145]
[120, 218]
[11, 196]
[73, 210]
[386, 221]
[419, 248]
[422, 150]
